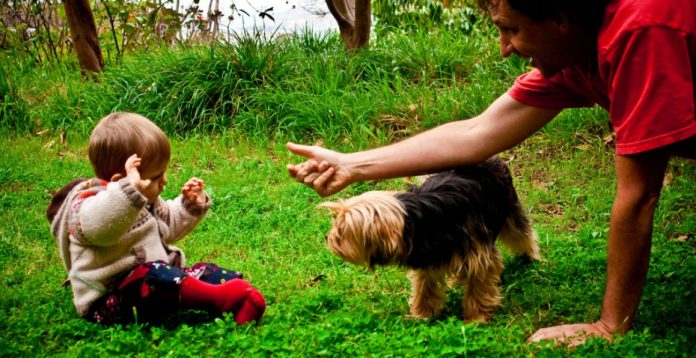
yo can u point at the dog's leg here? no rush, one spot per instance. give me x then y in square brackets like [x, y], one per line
[481, 280]
[427, 293]
[517, 234]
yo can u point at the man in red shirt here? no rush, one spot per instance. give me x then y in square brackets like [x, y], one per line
[635, 58]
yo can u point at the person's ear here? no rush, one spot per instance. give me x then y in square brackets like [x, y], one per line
[116, 177]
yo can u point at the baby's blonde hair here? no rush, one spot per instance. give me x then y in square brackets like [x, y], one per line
[120, 135]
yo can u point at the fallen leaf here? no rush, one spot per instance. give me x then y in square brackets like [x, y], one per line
[608, 139]
[537, 184]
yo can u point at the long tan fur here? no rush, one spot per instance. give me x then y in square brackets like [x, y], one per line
[365, 224]
[371, 225]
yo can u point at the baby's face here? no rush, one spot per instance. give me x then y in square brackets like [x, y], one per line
[157, 174]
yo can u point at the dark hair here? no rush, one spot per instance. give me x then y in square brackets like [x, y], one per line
[586, 13]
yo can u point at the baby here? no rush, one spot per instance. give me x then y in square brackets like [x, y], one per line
[114, 233]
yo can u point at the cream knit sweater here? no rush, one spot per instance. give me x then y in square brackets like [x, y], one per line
[104, 229]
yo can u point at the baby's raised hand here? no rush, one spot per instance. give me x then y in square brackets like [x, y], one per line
[193, 191]
[133, 174]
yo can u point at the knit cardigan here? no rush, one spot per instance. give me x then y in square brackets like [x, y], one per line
[104, 229]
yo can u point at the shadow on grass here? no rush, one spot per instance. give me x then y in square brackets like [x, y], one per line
[188, 317]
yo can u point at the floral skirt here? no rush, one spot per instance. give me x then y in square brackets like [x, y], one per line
[150, 292]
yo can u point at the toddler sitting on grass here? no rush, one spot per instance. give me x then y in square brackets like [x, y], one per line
[114, 234]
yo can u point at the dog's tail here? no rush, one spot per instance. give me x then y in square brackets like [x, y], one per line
[517, 234]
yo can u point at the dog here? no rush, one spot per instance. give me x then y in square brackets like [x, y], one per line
[443, 230]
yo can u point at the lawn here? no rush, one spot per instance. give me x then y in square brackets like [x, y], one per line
[229, 113]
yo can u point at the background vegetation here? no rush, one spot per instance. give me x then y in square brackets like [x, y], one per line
[230, 107]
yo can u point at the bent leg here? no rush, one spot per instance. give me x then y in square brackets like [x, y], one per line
[212, 273]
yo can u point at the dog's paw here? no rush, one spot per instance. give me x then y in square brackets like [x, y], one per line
[480, 317]
[416, 317]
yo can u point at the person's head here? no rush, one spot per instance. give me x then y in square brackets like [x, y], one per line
[120, 135]
[553, 34]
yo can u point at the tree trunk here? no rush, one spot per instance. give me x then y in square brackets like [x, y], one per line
[83, 31]
[354, 21]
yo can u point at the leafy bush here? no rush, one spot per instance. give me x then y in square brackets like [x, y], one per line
[408, 15]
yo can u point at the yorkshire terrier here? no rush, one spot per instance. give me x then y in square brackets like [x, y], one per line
[444, 229]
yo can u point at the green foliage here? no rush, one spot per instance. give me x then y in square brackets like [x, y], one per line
[38, 30]
[269, 227]
[408, 15]
[11, 105]
[28, 29]
[298, 87]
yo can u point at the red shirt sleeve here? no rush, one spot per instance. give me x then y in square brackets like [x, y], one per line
[645, 80]
[650, 78]
[563, 90]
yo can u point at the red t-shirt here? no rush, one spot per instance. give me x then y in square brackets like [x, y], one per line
[645, 78]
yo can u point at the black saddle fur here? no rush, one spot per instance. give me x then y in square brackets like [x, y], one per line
[455, 207]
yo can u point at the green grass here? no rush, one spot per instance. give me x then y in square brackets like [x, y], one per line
[298, 87]
[229, 112]
[267, 226]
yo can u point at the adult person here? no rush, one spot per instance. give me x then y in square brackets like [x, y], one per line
[635, 58]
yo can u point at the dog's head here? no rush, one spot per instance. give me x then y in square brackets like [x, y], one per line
[367, 229]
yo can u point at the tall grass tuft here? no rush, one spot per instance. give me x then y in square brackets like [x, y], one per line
[300, 86]
[12, 108]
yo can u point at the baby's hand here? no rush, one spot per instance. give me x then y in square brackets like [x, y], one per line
[193, 191]
[133, 174]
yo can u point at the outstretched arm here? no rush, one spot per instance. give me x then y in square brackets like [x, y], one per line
[504, 124]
